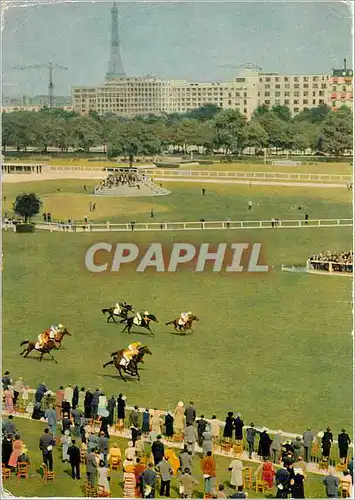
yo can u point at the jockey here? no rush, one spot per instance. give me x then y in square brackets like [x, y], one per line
[145, 316]
[129, 353]
[184, 317]
[135, 345]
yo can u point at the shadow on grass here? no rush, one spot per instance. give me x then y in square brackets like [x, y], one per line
[177, 334]
[117, 377]
[36, 358]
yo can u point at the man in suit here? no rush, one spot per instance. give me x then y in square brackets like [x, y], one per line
[166, 472]
[308, 438]
[185, 459]
[103, 446]
[40, 392]
[91, 467]
[149, 481]
[276, 447]
[77, 416]
[51, 417]
[46, 443]
[8, 427]
[251, 433]
[157, 450]
[95, 403]
[190, 437]
[331, 484]
[238, 428]
[74, 460]
[111, 405]
[343, 444]
[134, 418]
[190, 414]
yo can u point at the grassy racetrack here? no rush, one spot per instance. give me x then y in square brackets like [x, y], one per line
[276, 347]
[67, 199]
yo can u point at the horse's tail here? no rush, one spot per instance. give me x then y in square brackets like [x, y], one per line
[124, 320]
[113, 353]
[108, 363]
[24, 342]
[169, 323]
[104, 311]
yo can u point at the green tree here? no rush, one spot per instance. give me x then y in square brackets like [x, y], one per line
[337, 132]
[282, 112]
[314, 115]
[27, 205]
[204, 113]
[255, 135]
[85, 132]
[229, 130]
[260, 111]
[276, 130]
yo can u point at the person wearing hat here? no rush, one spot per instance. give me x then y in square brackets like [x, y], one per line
[18, 388]
[179, 418]
[46, 443]
[343, 444]
[103, 446]
[308, 438]
[128, 354]
[184, 318]
[66, 442]
[157, 450]
[327, 440]
[6, 381]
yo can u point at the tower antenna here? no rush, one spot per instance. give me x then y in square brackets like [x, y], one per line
[115, 67]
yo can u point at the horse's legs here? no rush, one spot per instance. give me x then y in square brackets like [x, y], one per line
[120, 372]
[125, 328]
[52, 356]
[41, 356]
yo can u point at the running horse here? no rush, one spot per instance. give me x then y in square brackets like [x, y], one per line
[133, 321]
[183, 328]
[47, 348]
[125, 309]
[132, 368]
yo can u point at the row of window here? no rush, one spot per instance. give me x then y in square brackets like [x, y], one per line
[315, 78]
[296, 93]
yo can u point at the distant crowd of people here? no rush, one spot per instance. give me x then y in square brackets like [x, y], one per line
[76, 410]
[332, 261]
[122, 178]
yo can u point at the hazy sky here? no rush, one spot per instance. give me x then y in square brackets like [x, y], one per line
[171, 40]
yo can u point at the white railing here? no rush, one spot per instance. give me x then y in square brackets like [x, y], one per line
[191, 226]
[282, 176]
[330, 265]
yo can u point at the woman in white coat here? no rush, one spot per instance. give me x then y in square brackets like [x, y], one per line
[236, 468]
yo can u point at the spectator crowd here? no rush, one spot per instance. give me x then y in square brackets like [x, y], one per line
[332, 261]
[85, 425]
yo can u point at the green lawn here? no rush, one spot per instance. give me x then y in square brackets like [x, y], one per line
[67, 199]
[65, 487]
[276, 347]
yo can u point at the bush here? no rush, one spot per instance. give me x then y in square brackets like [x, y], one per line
[25, 228]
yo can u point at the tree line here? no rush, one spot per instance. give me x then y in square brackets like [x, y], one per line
[319, 129]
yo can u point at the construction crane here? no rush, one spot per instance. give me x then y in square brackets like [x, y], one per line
[244, 66]
[50, 66]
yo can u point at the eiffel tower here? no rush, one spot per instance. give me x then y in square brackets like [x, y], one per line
[115, 67]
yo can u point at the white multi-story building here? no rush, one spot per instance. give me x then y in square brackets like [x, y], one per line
[143, 96]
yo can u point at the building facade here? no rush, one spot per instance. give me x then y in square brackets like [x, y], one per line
[130, 97]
